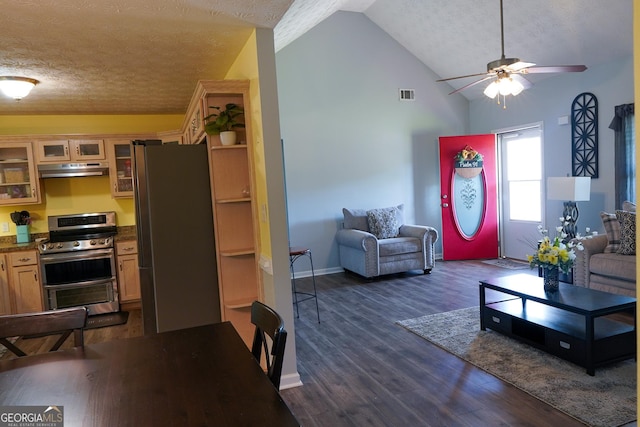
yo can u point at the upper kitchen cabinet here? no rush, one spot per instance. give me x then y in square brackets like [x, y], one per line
[19, 182]
[77, 150]
[173, 137]
[120, 163]
[194, 129]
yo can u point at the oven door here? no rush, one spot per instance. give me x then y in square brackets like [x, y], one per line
[82, 278]
[78, 268]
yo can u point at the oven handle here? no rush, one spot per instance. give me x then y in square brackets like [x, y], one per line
[81, 284]
[75, 256]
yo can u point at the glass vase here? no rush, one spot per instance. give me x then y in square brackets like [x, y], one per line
[551, 279]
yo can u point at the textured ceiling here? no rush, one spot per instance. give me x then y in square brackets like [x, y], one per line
[123, 56]
[145, 56]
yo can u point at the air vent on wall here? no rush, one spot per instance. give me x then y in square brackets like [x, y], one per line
[407, 95]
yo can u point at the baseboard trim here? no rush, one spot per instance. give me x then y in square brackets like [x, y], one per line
[319, 272]
[290, 381]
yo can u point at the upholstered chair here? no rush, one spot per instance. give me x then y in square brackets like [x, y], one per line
[376, 242]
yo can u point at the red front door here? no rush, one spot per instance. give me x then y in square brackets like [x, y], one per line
[469, 199]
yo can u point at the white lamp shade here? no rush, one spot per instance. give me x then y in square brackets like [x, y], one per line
[492, 90]
[505, 86]
[16, 87]
[569, 188]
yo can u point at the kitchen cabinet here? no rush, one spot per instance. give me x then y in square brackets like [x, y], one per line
[234, 208]
[128, 275]
[194, 129]
[5, 299]
[19, 184]
[172, 137]
[120, 163]
[78, 150]
[24, 282]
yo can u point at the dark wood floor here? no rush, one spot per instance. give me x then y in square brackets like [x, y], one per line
[361, 369]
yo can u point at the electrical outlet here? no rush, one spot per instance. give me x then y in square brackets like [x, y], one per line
[5, 227]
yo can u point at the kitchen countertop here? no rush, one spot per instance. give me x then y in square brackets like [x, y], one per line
[8, 243]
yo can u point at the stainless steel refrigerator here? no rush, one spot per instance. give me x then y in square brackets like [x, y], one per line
[176, 243]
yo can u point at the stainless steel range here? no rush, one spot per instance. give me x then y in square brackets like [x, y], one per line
[78, 262]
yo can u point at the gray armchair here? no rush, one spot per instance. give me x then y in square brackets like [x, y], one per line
[377, 242]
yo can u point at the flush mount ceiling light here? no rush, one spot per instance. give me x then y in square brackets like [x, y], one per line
[17, 87]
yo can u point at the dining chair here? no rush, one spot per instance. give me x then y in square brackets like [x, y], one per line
[45, 323]
[268, 322]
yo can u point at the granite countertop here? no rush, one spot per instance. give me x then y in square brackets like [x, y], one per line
[8, 243]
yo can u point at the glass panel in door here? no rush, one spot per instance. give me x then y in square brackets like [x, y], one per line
[521, 154]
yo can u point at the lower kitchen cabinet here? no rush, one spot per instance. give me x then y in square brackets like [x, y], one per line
[5, 299]
[24, 282]
[128, 275]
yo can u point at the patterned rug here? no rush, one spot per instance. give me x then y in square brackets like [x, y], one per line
[607, 399]
[507, 263]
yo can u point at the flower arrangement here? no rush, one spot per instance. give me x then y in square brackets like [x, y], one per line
[468, 154]
[555, 252]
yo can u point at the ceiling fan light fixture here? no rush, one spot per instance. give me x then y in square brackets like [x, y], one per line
[508, 86]
[504, 86]
[17, 87]
[492, 90]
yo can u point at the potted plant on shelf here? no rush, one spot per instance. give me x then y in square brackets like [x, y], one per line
[224, 122]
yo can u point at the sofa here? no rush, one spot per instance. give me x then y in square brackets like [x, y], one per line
[376, 242]
[608, 261]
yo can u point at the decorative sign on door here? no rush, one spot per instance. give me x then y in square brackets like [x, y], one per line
[468, 163]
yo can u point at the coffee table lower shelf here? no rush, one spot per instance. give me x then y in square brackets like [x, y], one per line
[560, 332]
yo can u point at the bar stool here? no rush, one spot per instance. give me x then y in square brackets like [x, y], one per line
[295, 252]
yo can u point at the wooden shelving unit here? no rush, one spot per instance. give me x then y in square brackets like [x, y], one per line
[234, 205]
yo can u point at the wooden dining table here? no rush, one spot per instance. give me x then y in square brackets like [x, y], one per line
[202, 376]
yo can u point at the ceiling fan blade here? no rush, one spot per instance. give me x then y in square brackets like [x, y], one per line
[463, 77]
[524, 82]
[555, 69]
[520, 66]
[472, 84]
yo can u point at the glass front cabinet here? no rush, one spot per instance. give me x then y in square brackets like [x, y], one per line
[70, 150]
[120, 163]
[19, 182]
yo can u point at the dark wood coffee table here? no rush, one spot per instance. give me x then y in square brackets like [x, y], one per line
[581, 325]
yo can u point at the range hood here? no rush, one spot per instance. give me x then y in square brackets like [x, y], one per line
[70, 170]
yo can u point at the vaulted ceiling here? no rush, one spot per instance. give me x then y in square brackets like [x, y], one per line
[141, 56]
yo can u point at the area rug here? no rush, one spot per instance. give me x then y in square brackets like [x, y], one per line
[507, 263]
[607, 399]
[108, 319]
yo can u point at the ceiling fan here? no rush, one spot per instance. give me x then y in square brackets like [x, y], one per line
[508, 72]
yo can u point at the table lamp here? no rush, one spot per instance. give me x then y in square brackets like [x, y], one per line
[571, 189]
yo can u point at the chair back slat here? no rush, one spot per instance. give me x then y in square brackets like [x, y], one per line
[268, 323]
[53, 322]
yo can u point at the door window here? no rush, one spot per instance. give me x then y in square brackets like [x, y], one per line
[522, 187]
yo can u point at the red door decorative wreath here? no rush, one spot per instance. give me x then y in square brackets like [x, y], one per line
[468, 163]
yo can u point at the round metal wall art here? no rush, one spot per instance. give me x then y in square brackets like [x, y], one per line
[584, 135]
